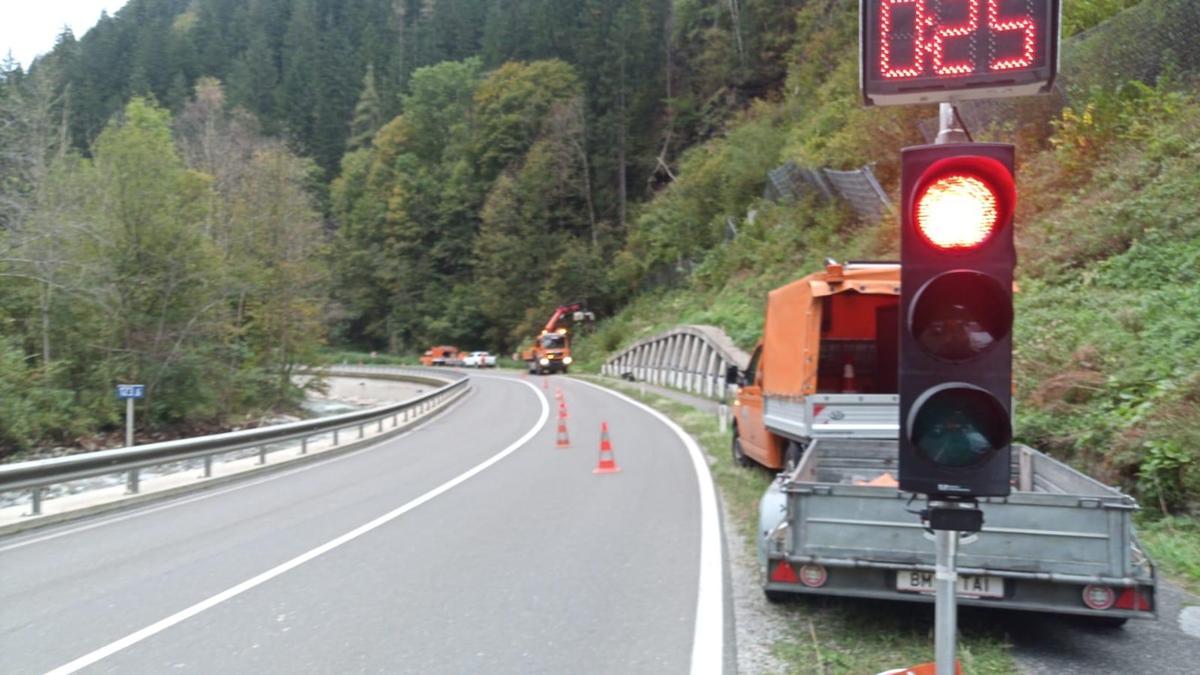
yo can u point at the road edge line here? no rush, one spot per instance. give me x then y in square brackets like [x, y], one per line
[212, 601]
[708, 640]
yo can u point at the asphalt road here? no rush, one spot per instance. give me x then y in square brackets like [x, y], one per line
[470, 544]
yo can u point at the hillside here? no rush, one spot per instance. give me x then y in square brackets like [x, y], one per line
[1108, 233]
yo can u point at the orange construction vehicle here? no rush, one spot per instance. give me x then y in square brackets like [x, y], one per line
[442, 355]
[550, 351]
[825, 368]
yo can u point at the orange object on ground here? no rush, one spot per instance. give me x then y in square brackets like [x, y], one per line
[558, 393]
[563, 440]
[562, 410]
[923, 669]
[607, 463]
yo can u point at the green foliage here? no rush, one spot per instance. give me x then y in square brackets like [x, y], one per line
[1174, 544]
[1080, 15]
[196, 280]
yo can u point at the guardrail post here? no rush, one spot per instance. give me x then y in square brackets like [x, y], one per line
[335, 437]
[35, 503]
[395, 420]
[262, 454]
[304, 445]
[361, 430]
[380, 425]
[208, 466]
[133, 482]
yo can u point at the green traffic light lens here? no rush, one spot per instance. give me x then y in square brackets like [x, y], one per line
[958, 425]
[959, 315]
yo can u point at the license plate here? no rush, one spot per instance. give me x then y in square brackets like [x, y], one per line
[968, 585]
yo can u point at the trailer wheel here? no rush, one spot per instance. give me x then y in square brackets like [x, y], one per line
[739, 456]
[792, 456]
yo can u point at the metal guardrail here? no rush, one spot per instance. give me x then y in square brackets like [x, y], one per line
[37, 475]
[691, 358]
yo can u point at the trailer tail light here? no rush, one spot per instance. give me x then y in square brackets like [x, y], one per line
[784, 573]
[1133, 598]
[813, 576]
[1098, 597]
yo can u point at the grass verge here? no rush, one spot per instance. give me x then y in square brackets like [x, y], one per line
[1174, 545]
[829, 635]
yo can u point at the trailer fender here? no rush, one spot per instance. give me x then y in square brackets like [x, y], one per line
[772, 511]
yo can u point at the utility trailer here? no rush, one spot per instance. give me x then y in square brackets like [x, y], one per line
[1062, 542]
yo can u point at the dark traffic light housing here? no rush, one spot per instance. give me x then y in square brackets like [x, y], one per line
[957, 259]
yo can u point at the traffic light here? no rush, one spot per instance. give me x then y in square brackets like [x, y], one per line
[957, 259]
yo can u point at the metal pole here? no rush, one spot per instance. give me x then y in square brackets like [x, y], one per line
[132, 485]
[208, 466]
[129, 422]
[35, 505]
[948, 129]
[946, 612]
[722, 413]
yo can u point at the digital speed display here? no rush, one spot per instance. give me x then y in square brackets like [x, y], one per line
[922, 51]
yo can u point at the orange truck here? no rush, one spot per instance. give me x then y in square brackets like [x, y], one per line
[825, 367]
[441, 355]
[550, 351]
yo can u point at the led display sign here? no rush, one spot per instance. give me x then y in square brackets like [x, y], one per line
[924, 51]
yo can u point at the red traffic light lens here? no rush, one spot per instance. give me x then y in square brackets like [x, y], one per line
[957, 211]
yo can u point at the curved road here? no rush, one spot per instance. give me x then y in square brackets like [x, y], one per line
[470, 544]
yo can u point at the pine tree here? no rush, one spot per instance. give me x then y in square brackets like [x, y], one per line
[368, 113]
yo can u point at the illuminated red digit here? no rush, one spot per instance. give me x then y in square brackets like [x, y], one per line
[886, 67]
[943, 33]
[1023, 23]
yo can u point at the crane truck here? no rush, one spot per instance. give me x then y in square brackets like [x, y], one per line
[819, 400]
[550, 351]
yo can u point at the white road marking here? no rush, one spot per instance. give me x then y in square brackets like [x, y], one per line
[234, 591]
[1189, 621]
[708, 640]
[240, 485]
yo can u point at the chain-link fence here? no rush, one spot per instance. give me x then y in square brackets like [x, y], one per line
[859, 189]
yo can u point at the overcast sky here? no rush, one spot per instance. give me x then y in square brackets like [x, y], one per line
[29, 27]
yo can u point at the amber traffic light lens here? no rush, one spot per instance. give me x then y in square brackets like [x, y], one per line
[959, 315]
[958, 425]
[957, 212]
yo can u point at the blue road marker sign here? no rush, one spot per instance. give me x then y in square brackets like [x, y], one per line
[125, 391]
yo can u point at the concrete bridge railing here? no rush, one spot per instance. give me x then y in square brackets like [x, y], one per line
[689, 358]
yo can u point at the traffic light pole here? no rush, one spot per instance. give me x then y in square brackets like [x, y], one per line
[945, 581]
[945, 576]
[949, 130]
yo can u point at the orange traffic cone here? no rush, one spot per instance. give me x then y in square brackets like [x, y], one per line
[558, 393]
[849, 383]
[562, 410]
[607, 463]
[563, 440]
